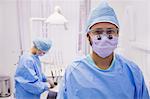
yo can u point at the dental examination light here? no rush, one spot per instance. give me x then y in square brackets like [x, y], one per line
[57, 18]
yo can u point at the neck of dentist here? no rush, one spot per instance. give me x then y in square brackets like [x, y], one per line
[102, 63]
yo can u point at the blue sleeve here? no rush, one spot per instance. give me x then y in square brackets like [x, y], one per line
[44, 79]
[143, 89]
[62, 94]
[26, 76]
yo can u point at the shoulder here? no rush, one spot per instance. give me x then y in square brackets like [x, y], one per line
[26, 58]
[76, 64]
[133, 67]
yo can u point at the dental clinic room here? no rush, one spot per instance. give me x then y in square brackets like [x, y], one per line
[74, 49]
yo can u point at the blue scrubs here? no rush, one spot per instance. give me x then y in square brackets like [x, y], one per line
[84, 80]
[29, 80]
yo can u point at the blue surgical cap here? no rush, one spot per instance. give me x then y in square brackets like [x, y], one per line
[102, 13]
[42, 44]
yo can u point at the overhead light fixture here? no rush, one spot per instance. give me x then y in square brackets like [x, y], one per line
[54, 19]
[57, 18]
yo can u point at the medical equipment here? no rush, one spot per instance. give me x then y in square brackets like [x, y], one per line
[52, 95]
[106, 31]
[55, 78]
[99, 37]
[54, 19]
[57, 18]
[5, 86]
[53, 65]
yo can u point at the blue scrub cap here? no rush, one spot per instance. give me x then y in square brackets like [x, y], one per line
[102, 13]
[42, 44]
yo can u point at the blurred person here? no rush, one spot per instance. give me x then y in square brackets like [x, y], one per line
[30, 82]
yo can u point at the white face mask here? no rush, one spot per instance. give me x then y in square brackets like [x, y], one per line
[105, 46]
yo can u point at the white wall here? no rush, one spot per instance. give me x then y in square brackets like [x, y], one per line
[148, 44]
[8, 38]
[0, 33]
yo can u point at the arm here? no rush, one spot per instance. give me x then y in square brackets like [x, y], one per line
[44, 78]
[140, 86]
[143, 90]
[62, 94]
[28, 79]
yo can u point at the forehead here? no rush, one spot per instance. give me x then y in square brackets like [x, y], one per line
[103, 25]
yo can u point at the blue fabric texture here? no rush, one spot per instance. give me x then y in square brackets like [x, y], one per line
[29, 79]
[83, 80]
[42, 44]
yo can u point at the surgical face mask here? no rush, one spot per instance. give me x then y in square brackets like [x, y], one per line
[103, 45]
[41, 53]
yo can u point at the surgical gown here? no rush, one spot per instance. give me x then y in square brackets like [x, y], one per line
[29, 80]
[84, 80]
